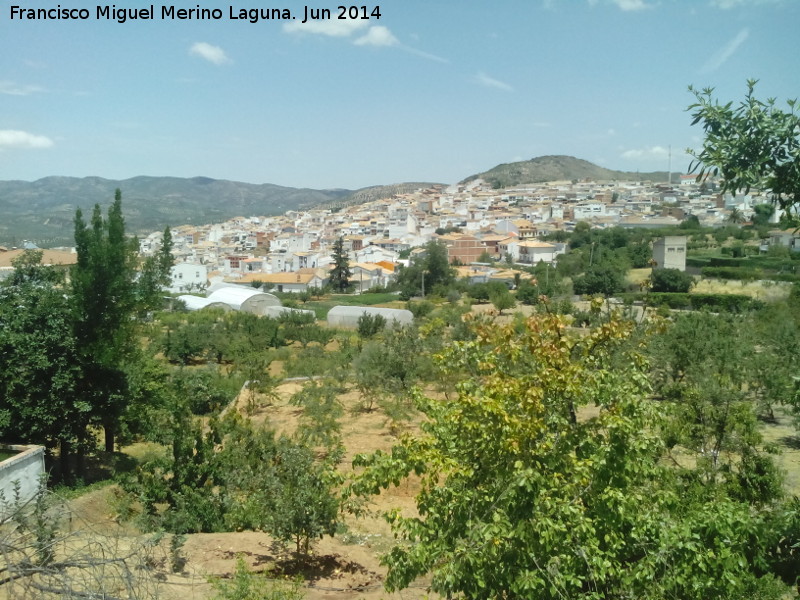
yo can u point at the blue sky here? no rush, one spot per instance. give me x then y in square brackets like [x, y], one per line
[432, 91]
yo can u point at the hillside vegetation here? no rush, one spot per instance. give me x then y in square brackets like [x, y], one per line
[43, 210]
[556, 168]
[377, 192]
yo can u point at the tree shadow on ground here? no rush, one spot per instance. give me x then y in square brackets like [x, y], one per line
[328, 566]
[791, 441]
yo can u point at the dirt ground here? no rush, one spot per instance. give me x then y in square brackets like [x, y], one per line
[346, 566]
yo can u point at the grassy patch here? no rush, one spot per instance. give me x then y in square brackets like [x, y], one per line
[762, 290]
[783, 433]
[6, 454]
[638, 276]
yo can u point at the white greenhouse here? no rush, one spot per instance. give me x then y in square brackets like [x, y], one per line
[277, 311]
[245, 299]
[347, 316]
[198, 302]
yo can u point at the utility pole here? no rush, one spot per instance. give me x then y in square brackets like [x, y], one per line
[423, 284]
[669, 167]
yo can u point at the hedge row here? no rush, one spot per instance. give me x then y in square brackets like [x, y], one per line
[745, 274]
[769, 263]
[735, 303]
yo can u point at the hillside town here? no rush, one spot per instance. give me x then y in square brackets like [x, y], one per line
[292, 252]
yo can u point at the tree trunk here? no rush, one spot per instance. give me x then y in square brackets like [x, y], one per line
[80, 462]
[108, 429]
[65, 455]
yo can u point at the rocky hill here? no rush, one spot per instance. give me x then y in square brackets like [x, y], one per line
[556, 168]
[378, 192]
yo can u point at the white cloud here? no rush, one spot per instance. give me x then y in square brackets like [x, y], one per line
[646, 153]
[484, 80]
[12, 138]
[728, 4]
[213, 54]
[422, 54]
[721, 56]
[377, 36]
[628, 5]
[14, 89]
[332, 28]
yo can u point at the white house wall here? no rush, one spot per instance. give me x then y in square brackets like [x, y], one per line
[24, 470]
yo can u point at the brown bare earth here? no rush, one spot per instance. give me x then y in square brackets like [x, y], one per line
[346, 566]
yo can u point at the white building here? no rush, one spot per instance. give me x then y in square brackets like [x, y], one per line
[669, 252]
[188, 277]
[531, 252]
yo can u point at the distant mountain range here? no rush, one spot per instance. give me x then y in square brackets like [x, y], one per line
[42, 211]
[557, 168]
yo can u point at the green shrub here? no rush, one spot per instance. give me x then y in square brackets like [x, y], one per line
[246, 585]
[671, 280]
[369, 325]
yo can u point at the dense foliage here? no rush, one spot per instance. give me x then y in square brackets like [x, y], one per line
[671, 280]
[546, 478]
[85, 353]
[429, 272]
[340, 273]
[753, 144]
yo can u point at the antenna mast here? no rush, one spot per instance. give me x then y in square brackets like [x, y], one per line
[669, 167]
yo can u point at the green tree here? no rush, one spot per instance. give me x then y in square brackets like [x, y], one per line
[305, 507]
[671, 280]
[736, 216]
[502, 299]
[428, 272]
[753, 144]
[319, 425]
[104, 297]
[39, 378]
[691, 222]
[154, 276]
[369, 325]
[230, 475]
[762, 214]
[704, 372]
[544, 479]
[606, 279]
[29, 270]
[340, 274]
[387, 369]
